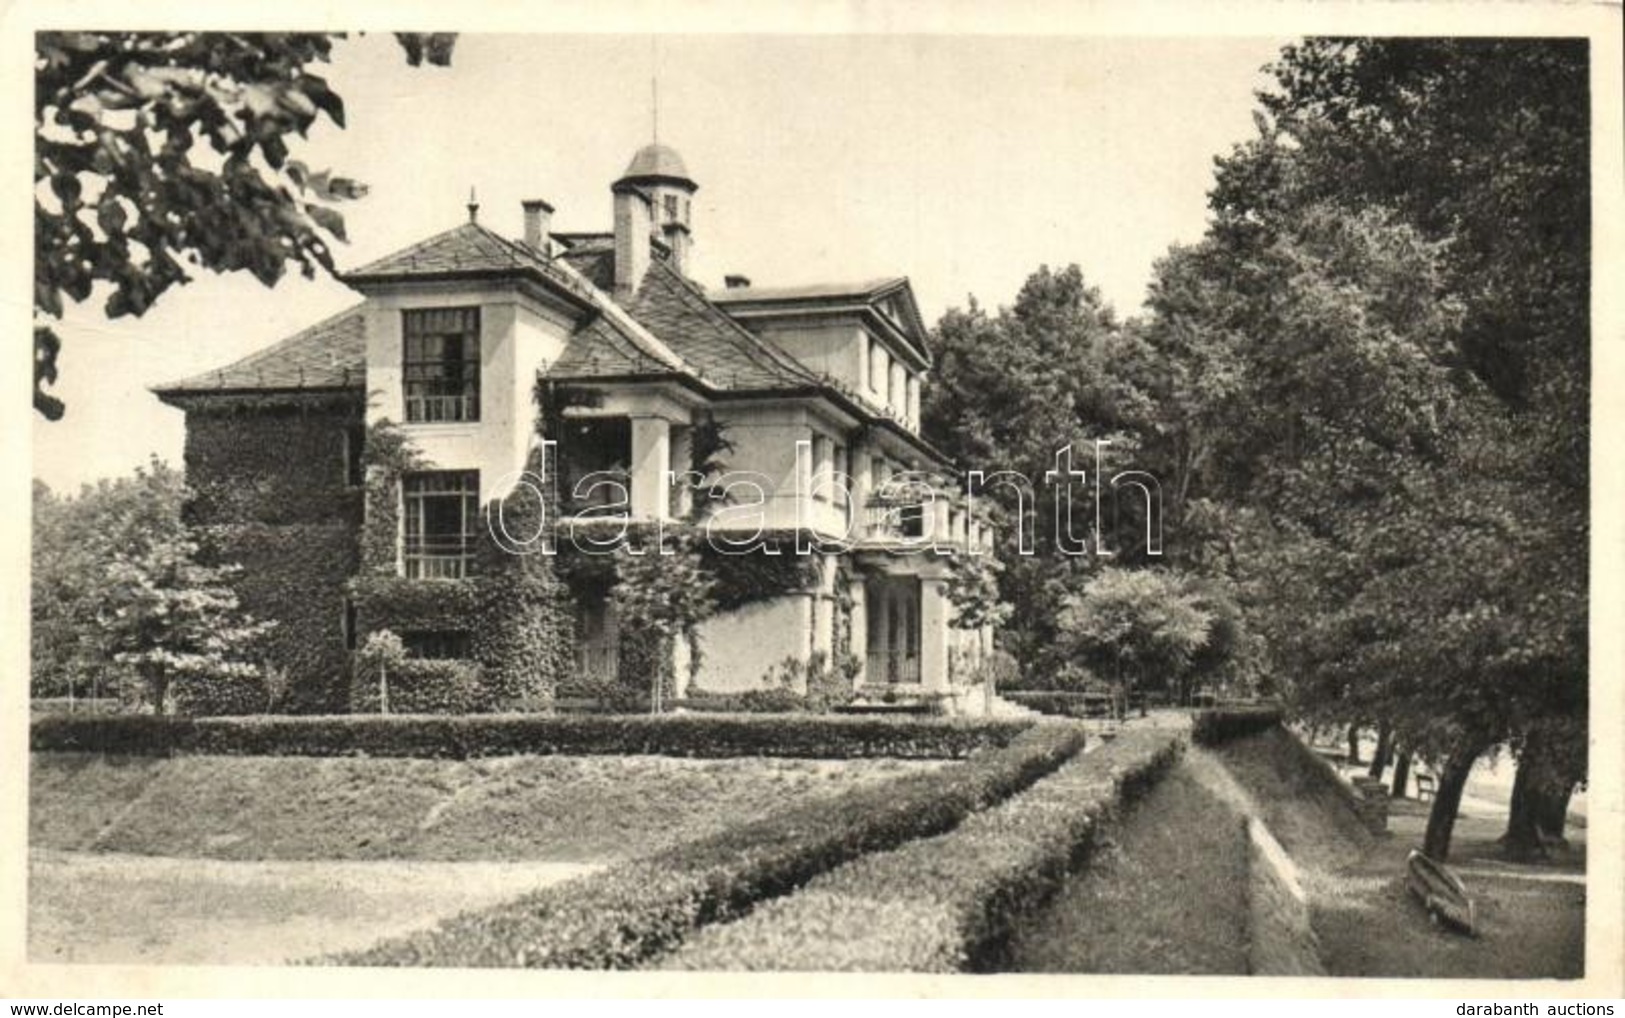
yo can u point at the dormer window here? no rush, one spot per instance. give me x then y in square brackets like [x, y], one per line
[441, 366]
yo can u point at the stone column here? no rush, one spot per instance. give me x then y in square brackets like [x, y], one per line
[935, 633]
[682, 442]
[858, 632]
[651, 458]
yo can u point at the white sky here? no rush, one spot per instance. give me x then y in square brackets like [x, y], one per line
[961, 162]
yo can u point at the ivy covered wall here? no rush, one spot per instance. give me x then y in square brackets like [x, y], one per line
[519, 617]
[271, 492]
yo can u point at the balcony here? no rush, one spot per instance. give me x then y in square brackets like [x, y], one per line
[442, 409]
[451, 559]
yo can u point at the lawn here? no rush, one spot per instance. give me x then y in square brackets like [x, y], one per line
[548, 808]
[256, 860]
[1532, 917]
[1165, 895]
[146, 910]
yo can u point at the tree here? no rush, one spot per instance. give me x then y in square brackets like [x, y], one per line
[73, 542]
[175, 620]
[123, 198]
[1482, 145]
[662, 592]
[1393, 292]
[1012, 388]
[382, 650]
[1135, 623]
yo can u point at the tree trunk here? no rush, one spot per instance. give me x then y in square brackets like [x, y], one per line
[1385, 749]
[1354, 745]
[1447, 802]
[158, 682]
[1521, 842]
[1402, 772]
[1552, 811]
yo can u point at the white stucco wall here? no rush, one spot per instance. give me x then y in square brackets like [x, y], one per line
[739, 647]
[514, 339]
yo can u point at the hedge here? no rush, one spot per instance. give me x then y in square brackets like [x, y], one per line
[631, 912]
[461, 736]
[1221, 724]
[1069, 704]
[948, 903]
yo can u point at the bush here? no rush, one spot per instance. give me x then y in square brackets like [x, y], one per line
[1075, 705]
[947, 903]
[506, 734]
[624, 915]
[1220, 725]
[427, 686]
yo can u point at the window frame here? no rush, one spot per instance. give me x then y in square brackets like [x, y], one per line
[417, 326]
[439, 557]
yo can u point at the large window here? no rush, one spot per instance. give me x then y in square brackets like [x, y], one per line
[442, 511]
[441, 371]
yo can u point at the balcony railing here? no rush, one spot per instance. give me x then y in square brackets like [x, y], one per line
[442, 409]
[450, 559]
[892, 666]
[893, 521]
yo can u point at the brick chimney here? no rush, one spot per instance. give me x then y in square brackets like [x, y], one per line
[634, 220]
[538, 217]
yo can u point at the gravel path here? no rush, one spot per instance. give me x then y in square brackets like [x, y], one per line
[110, 909]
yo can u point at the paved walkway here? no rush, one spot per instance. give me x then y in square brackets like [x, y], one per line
[129, 909]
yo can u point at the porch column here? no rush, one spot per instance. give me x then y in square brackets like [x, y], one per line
[882, 641]
[823, 635]
[941, 525]
[682, 442]
[681, 660]
[858, 632]
[651, 458]
[861, 491]
[936, 611]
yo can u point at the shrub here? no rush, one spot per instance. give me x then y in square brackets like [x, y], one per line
[426, 686]
[946, 903]
[505, 734]
[1066, 704]
[621, 916]
[1220, 725]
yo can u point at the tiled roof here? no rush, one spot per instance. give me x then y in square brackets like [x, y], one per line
[331, 354]
[725, 354]
[467, 248]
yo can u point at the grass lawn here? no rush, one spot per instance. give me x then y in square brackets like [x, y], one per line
[547, 808]
[1531, 917]
[255, 860]
[1166, 895]
[144, 910]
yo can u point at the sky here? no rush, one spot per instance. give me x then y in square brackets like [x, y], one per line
[962, 162]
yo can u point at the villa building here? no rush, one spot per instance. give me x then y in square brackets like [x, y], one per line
[817, 390]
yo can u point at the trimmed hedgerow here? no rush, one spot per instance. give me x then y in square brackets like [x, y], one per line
[948, 903]
[715, 735]
[1221, 724]
[631, 912]
[426, 686]
[1068, 704]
